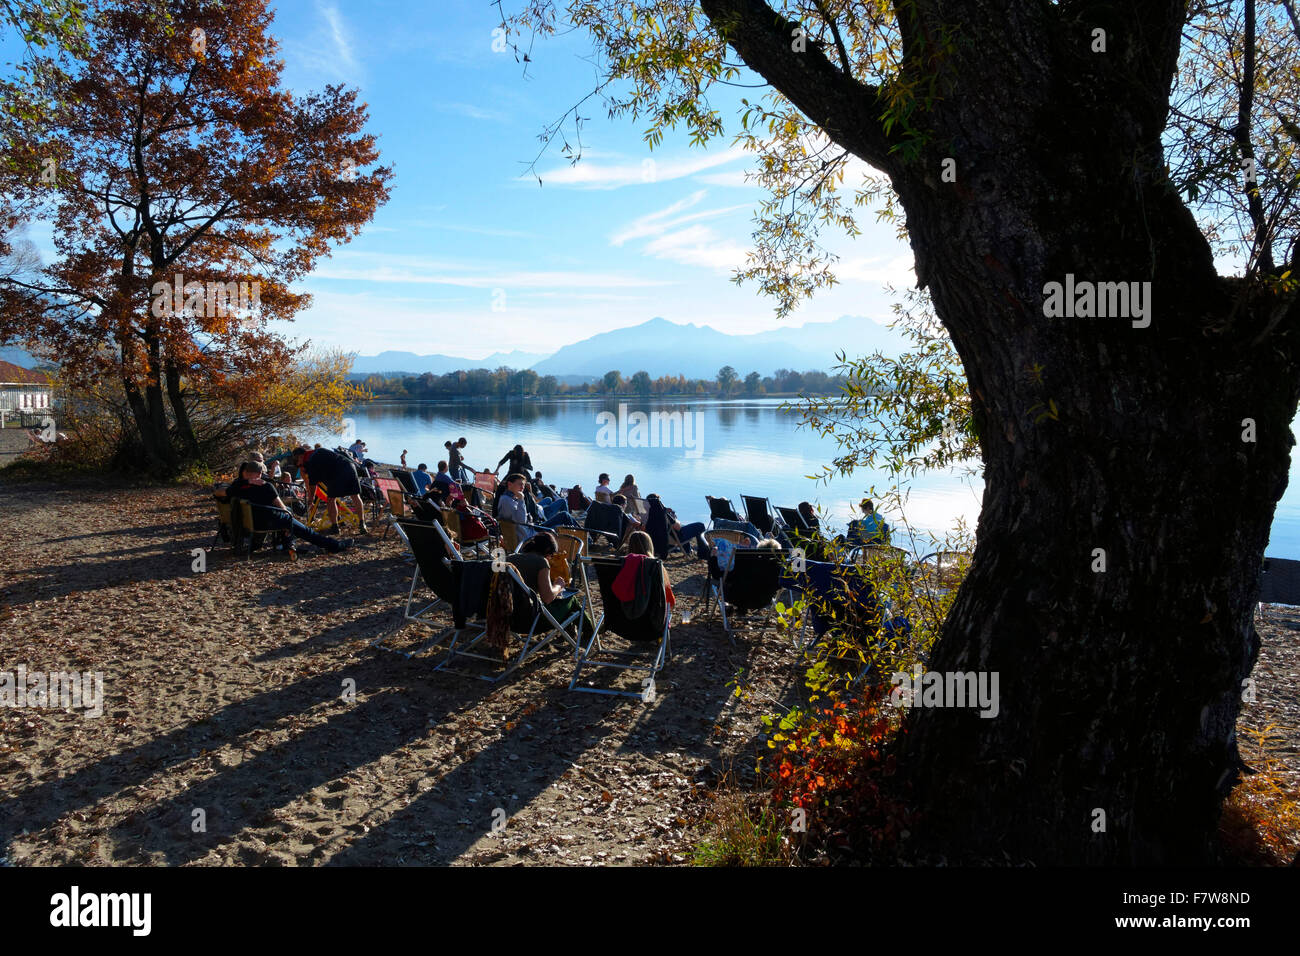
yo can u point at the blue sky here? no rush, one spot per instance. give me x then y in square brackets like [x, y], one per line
[601, 245]
[470, 256]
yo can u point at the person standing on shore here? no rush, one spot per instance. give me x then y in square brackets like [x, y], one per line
[338, 475]
[520, 463]
[456, 461]
[403, 458]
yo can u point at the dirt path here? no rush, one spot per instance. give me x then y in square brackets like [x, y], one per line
[224, 705]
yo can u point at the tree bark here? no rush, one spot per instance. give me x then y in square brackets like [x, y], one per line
[184, 427]
[1119, 689]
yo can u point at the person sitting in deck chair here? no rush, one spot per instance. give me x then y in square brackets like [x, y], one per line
[251, 487]
[577, 500]
[867, 530]
[532, 560]
[423, 480]
[685, 533]
[339, 476]
[639, 543]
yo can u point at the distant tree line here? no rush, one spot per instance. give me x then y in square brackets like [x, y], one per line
[512, 383]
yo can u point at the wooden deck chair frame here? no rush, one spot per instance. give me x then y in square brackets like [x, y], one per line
[224, 521]
[249, 513]
[465, 642]
[396, 512]
[451, 518]
[574, 548]
[607, 569]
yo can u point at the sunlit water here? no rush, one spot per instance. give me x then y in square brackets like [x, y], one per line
[748, 446]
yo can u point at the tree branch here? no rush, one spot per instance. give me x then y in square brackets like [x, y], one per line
[847, 111]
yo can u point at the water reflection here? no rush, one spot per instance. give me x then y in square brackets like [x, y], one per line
[745, 445]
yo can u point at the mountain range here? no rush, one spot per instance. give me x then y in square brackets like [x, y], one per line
[661, 347]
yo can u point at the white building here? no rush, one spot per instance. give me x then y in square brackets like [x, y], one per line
[22, 390]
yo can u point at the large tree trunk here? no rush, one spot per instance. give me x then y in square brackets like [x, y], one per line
[1118, 689]
[150, 414]
[1102, 441]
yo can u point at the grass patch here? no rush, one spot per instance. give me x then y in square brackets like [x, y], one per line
[1260, 825]
[743, 831]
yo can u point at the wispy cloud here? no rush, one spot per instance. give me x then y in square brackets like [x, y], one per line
[588, 175]
[328, 51]
[381, 268]
[698, 245]
[660, 222]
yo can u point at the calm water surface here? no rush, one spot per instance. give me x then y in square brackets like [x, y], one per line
[742, 445]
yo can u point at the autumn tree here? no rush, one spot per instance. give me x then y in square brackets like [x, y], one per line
[1065, 173]
[187, 191]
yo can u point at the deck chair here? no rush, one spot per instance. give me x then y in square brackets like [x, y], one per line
[793, 520]
[945, 566]
[318, 515]
[252, 522]
[721, 508]
[434, 553]
[573, 547]
[837, 597]
[638, 507]
[749, 584]
[651, 629]
[481, 546]
[406, 480]
[530, 620]
[607, 522]
[511, 539]
[486, 482]
[224, 522]
[759, 512]
[396, 509]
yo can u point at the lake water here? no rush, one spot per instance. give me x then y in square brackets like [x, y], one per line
[720, 448]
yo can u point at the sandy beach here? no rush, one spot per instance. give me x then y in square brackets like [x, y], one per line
[226, 737]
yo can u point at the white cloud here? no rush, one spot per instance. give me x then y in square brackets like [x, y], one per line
[896, 271]
[587, 175]
[383, 268]
[327, 52]
[658, 223]
[698, 245]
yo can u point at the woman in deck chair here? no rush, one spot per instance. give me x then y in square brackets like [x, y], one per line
[640, 545]
[533, 561]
